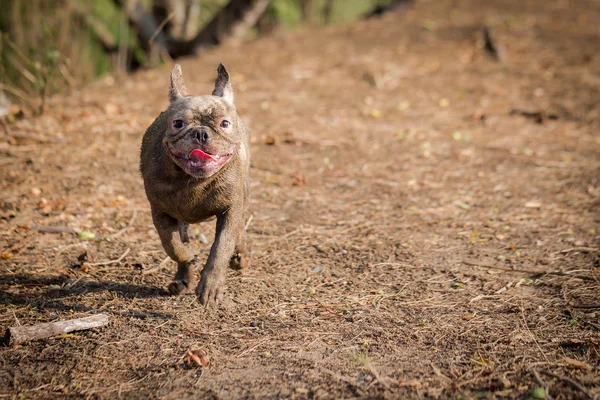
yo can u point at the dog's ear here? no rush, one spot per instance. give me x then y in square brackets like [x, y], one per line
[222, 85]
[177, 88]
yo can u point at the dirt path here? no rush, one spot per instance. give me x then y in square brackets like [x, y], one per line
[411, 236]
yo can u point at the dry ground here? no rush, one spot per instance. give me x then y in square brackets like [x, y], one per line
[411, 236]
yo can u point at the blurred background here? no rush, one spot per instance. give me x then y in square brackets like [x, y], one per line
[47, 46]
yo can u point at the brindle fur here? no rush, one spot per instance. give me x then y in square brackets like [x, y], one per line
[179, 197]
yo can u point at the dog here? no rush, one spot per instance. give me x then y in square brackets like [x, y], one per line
[195, 160]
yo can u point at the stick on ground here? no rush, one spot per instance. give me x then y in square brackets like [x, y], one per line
[115, 261]
[21, 334]
[492, 46]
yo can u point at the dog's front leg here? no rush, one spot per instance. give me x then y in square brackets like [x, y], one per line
[174, 238]
[212, 282]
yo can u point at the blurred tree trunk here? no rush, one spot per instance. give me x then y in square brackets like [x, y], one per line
[181, 17]
[65, 26]
[16, 25]
[152, 39]
[231, 21]
[328, 11]
[191, 25]
[307, 11]
[394, 6]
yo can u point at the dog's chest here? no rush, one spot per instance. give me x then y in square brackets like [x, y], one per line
[193, 204]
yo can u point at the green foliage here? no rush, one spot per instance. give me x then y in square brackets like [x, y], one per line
[537, 393]
[43, 50]
[287, 12]
[572, 320]
[38, 66]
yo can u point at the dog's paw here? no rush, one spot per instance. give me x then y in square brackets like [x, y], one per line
[210, 289]
[178, 286]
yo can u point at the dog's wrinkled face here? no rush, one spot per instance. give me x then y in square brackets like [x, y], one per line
[202, 135]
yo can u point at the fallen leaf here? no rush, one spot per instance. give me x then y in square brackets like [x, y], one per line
[478, 115]
[299, 179]
[404, 105]
[467, 317]
[197, 356]
[527, 151]
[435, 392]
[538, 393]
[576, 363]
[376, 113]
[429, 25]
[463, 205]
[478, 359]
[270, 140]
[410, 383]
[85, 235]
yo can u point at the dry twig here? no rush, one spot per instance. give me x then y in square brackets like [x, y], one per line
[115, 261]
[129, 225]
[22, 334]
[573, 383]
[55, 229]
[532, 272]
[541, 382]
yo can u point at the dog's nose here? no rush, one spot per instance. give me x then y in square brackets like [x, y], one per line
[202, 136]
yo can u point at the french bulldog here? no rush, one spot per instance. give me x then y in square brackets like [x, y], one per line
[195, 163]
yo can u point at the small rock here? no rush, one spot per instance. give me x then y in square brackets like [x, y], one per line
[111, 109]
[533, 204]
[203, 238]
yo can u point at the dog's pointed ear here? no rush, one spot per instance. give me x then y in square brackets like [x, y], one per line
[222, 85]
[177, 88]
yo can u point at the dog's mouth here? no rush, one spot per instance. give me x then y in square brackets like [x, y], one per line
[201, 160]
[198, 157]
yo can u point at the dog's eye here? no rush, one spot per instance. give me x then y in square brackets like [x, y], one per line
[225, 124]
[178, 124]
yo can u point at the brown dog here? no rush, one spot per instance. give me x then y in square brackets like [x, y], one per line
[195, 160]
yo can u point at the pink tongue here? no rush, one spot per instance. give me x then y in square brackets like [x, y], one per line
[199, 155]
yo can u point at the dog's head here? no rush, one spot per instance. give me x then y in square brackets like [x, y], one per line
[203, 132]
